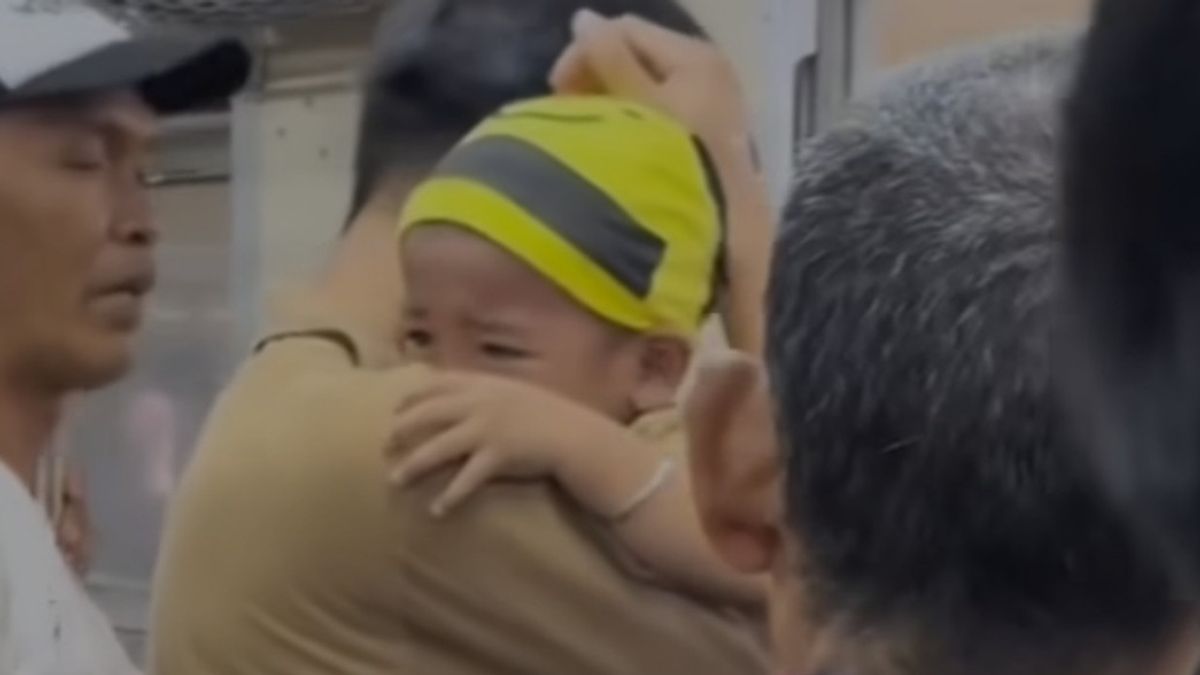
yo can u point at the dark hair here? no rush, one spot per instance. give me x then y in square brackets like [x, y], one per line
[441, 66]
[1132, 214]
[938, 503]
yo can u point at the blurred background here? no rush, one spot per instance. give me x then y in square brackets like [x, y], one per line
[251, 197]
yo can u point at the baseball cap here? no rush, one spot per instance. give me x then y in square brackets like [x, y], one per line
[612, 201]
[57, 48]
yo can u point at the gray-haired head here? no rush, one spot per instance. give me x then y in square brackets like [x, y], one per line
[945, 522]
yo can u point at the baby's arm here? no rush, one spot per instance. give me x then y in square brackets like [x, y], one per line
[496, 428]
[646, 496]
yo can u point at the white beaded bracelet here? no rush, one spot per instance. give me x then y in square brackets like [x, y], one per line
[665, 471]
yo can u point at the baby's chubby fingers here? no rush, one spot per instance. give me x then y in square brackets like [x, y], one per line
[452, 445]
[478, 470]
[418, 422]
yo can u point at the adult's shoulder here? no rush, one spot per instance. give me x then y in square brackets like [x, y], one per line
[308, 390]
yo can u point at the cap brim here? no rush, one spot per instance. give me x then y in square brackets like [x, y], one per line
[173, 74]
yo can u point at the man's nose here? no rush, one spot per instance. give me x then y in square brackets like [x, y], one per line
[135, 224]
[139, 231]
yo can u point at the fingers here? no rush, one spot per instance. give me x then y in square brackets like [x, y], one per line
[74, 522]
[73, 543]
[571, 74]
[605, 56]
[474, 475]
[74, 540]
[449, 447]
[664, 51]
[74, 489]
[625, 56]
[438, 385]
[426, 418]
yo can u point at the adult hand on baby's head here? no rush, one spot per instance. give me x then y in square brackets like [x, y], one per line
[685, 77]
[493, 427]
[692, 81]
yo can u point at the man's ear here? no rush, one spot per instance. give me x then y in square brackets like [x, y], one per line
[734, 461]
[663, 364]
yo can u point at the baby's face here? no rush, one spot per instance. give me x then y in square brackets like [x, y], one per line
[471, 306]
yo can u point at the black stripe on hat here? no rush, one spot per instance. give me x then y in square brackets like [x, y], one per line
[564, 201]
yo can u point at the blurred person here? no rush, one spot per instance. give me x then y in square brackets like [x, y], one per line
[153, 434]
[143, 432]
[287, 551]
[79, 98]
[1131, 212]
[569, 250]
[60, 487]
[138, 460]
[903, 468]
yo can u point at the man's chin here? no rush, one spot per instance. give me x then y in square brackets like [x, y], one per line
[100, 367]
[87, 362]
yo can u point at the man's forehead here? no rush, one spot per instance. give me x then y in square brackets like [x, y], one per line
[123, 113]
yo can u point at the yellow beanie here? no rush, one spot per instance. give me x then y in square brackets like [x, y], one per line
[612, 201]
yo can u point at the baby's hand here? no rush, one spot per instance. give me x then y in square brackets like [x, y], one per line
[73, 531]
[494, 427]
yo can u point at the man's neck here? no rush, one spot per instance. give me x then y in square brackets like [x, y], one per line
[28, 418]
[363, 277]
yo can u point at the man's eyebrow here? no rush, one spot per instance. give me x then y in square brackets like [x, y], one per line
[124, 128]
[121, 123]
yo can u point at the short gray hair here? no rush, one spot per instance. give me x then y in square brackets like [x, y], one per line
[929, 478]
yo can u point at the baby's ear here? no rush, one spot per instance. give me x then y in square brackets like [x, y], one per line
[662, 366]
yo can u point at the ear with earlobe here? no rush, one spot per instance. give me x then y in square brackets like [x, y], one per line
[734, 462]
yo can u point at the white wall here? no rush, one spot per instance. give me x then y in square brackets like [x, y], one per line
[292, 176]
[293, 144]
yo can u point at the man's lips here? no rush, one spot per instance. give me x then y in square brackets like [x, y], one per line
[137, 284]
[118, 301]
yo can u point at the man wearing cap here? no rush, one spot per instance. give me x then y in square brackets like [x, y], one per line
[286, 550]
[79, 95]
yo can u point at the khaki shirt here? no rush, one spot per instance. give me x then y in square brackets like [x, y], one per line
[286, 551]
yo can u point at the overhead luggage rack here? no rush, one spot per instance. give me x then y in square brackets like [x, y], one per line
[235, 13]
